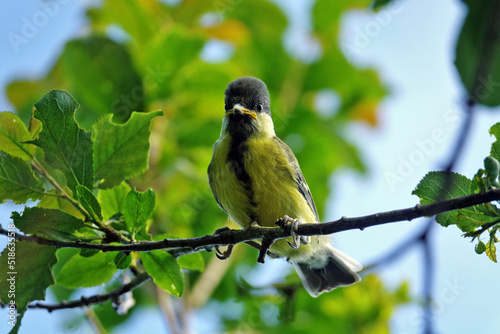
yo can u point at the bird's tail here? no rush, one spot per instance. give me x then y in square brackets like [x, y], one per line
[327, 270]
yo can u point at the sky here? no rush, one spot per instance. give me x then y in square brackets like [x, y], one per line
[411, 45]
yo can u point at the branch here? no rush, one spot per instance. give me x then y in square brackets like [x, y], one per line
[231, 237]
[86, 301]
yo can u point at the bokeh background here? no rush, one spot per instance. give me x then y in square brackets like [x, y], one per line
[357, 94]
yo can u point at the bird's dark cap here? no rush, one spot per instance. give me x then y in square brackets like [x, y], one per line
[249, 92]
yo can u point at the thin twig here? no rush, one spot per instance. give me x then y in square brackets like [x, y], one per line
[86, 301]
[38, 166]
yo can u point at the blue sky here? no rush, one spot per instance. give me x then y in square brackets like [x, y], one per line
[412, 47]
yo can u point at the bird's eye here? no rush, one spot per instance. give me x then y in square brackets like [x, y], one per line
[260, 107]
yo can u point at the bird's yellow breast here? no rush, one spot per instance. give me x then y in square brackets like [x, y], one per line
[275, 189]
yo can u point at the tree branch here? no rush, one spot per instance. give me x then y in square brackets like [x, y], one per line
[180, 247]
[85, 301]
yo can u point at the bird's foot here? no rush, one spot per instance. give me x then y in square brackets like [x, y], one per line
[223, 255]
[294, 225]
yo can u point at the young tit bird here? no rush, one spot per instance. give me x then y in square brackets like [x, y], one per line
[256, 179]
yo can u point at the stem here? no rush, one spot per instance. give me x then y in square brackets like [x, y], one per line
[85, 301]
[38, 166]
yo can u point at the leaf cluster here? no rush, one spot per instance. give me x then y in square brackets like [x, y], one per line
[479, 219]
[59, 162]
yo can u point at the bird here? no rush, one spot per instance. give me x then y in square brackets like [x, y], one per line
[256, 179]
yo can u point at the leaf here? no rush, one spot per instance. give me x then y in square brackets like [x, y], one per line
[88, 252]
[121, 150]
[164, 270]
[478, 52]
[122, 260]
[87, 271]
[192, 262]
[113, 199]
[41, 221]
[14, 135]
[89, 202]
[17, 181]
[480, 247]
[492, 169]
[431, 189]
[29, 265]
[140, 19]
[378, 4]
[138, 208]
[495, 147]
[478, 184]
[103, 78]
[66, 146]
[60, 203]
[491, 249]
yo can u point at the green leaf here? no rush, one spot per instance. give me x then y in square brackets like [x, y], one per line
[138, 208]
[41, 221]
[113, 199]
[89, 202]
[495, 147]
[480, 247]
[478, 184]
[122, 260]
[377, 4]
[17, 181]
[192, 262]
[29, 265]
[492, 169]
[88, 252]
[137, 18]
[60, 203]
[66, 146]
[491, 249]
[121, 150]
[13, 135]
[164, 270]
[478, 52]
[431, 189]
[87, 271]
[103, 78]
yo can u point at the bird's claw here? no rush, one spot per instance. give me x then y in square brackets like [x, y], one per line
[294, 225]
[223, 255]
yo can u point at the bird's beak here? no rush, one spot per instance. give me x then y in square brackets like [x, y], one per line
[239, 110]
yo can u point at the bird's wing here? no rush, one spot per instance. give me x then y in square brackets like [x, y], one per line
[213, 186]
[299, 177]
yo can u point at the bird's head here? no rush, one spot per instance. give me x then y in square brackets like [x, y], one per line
[247, 107]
